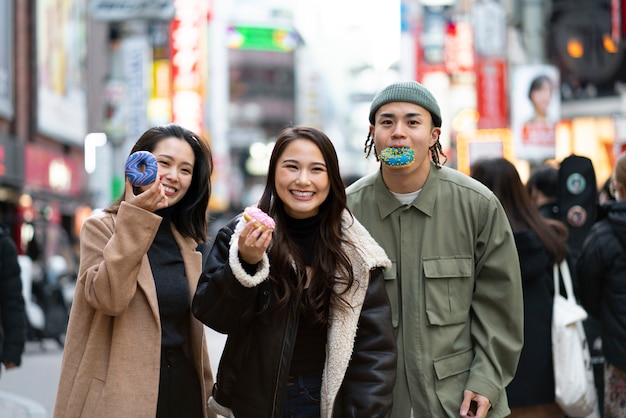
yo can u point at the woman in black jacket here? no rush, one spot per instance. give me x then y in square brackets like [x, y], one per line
[602, 278]
[305, 309]
[540, 244]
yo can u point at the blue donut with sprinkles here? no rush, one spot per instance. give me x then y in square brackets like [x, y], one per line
[397, 157]
[141, 168]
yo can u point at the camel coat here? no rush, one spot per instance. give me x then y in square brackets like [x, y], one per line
[111, 360]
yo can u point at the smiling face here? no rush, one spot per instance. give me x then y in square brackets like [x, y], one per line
[175, 159]
[301, 180]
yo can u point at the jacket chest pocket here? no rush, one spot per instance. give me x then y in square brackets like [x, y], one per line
[448, 287]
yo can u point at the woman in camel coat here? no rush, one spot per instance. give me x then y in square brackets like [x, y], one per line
[133, 348]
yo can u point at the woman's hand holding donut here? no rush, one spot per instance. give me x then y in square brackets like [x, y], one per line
[253, 242]
[151, 199]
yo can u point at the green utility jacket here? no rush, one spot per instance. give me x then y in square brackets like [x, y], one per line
[454, 286]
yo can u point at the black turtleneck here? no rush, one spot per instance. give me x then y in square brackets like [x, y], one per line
[304, 233]
[310, 347]
[172, 288]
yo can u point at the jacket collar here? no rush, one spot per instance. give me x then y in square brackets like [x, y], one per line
[425, 201]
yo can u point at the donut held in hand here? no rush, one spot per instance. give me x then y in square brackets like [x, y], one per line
[399, 157]
[141, 168]
[260, 218]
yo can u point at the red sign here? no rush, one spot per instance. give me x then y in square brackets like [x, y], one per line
[3, 167]
[49, 170]
[616, 20]
[491, 93]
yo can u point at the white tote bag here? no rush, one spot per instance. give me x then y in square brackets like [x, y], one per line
[574, 386]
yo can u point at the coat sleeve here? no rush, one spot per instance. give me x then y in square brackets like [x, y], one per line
[497, 309]
[111, 257]
[368, 384]
[12, 308]
[591, 268]
[228, 291]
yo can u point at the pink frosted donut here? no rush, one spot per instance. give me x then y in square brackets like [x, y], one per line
[141, 168]
[260, 218]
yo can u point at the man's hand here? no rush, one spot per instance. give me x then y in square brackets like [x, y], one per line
[474, 405]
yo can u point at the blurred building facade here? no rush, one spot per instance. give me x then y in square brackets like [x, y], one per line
[81, 79]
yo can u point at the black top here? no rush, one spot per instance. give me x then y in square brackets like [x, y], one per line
[310, 347]
[172, 288]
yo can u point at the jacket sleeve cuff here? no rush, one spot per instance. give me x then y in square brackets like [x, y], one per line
[236, 266]
[484, 387]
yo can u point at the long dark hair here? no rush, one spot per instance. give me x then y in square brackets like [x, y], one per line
[331, 264]
[189, 215]
[501, 176]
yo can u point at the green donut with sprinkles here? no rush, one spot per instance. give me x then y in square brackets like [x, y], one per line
[397, 157]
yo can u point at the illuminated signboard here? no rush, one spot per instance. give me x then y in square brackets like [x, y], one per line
[262, 39]
[186, 37]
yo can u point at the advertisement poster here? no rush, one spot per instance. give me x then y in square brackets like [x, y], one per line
[61, 69]
[535, 111]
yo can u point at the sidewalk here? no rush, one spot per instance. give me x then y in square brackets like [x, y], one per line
[15, 406]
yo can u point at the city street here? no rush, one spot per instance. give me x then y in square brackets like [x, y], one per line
[29, 391]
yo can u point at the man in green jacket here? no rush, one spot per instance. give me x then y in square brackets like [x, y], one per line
[455, 285]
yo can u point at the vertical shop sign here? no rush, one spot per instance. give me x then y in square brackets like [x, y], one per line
[135, 53]
[186, 39]
[430, 41]
[616, 21]
[6, 58]
[491, 93]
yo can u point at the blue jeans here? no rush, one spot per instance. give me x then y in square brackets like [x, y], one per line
[303, 396]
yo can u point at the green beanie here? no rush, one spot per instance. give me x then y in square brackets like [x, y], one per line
[409, 92]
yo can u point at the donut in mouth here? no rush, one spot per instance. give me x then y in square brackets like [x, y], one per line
[397, 157]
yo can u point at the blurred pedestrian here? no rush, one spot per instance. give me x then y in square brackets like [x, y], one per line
[12, 311]
[540, 244]
[602, 278]
[305, 309]
[133, 348]
[454, 285]
[543, 187]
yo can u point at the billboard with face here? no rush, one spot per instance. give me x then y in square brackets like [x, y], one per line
[535, 110]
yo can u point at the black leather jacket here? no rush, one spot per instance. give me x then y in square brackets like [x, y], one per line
[255, 362]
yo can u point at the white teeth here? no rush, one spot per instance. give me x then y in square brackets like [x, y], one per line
[302, 194]
[169, 189]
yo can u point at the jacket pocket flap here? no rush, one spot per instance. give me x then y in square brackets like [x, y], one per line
[454, 364]
[448, 267]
